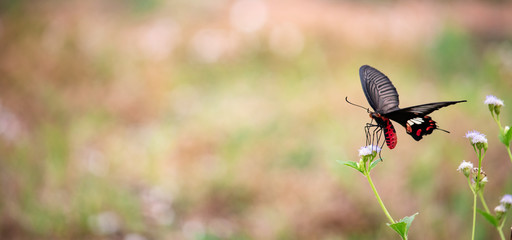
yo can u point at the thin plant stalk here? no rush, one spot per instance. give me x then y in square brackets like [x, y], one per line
[500, 231]
[480, 158]
[364, 166]
[482, 199]
[509, 153]
[474, 208]
[474, 217]
[500, 228]
[497, 120]
[378, 198]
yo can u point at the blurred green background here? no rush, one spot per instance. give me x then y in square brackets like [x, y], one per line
[152, 119]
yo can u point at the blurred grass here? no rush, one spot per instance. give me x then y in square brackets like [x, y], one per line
[112, 139]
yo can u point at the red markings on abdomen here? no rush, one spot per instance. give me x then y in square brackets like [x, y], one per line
[389, 133]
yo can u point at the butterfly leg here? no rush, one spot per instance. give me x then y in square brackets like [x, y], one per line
[378, 136]
[377, 133]
[374, 136]
[367, 133]
[381, 147]
[369, 136]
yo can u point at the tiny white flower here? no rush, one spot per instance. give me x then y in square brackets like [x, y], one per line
[493, 100]
[368, 150]
[500, 209]
[479, 139]
[465, 166]
[365, 151]
[476, 137]
[506, 200]
[472, 134]
[506, 129]
[375, 148]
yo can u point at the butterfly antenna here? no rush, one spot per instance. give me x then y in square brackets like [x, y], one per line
[442, 130]
[367, 109]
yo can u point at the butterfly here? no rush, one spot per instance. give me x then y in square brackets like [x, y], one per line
[383, 98]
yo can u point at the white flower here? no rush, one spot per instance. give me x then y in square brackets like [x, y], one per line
[375, 148]
[368, 150]
[479, 139]
[472, 134]
[465, 166]
[476, 137]
[505, 130]
[506, 200]
[365, 151]
[500, 209]
[493, 100]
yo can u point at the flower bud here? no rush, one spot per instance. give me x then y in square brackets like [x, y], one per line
[494, 104]
[506, 201]
[465, 168]
[500, 210]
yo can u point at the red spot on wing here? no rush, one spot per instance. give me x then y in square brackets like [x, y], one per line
[418, 133]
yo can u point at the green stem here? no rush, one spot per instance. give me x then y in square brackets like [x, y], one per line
[483, 202]
[500, 228]
[474, 207]
[470, 187]
[477, 180]
[509, 153]
[500, 231]
[474, 217]
[498, 121]
[378, 198]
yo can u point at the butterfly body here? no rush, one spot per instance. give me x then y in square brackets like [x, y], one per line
[383, 98]
[389, 130]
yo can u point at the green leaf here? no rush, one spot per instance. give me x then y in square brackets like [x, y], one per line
[508, 137]
[402, 226]
[351, 164]
[374, 163]
[503, 138]
[408, 220]
[490, 218]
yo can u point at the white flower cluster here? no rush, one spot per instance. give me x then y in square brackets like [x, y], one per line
[493, 100]
[368, 150]
[476, 137]
[500, 209]
[465, 166]
[505, 203]
[506, 200]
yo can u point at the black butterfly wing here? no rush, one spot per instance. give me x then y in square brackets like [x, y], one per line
[425, 109]
[415, 120]
[379, 91]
